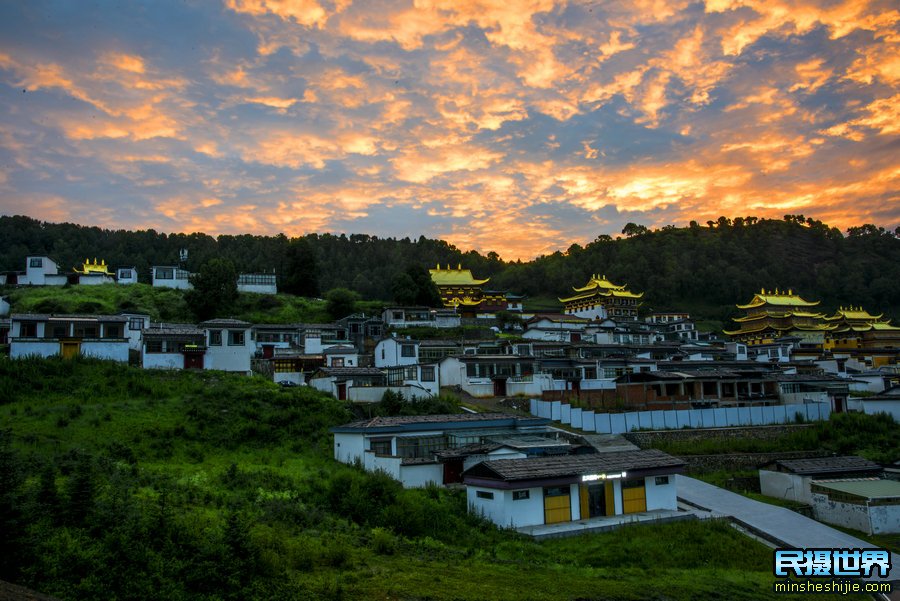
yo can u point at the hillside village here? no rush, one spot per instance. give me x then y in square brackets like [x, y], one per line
[598, 365]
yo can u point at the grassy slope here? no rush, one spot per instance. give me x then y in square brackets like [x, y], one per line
[183, 453]
[165, 304]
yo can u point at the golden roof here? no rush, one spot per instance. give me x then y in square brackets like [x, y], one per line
[455, 277]
[778, 299]
[854, 314]
[600, 286]
[804, 327]
[94, 267]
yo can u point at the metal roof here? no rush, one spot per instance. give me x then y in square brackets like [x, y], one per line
[870, 488]
[446, 421]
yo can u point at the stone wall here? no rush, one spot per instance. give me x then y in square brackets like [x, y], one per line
[649, 439]
[742, 461]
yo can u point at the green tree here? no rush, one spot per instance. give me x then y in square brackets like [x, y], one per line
[215, 289]
[340, 302]
[300, 275]
[404, 289]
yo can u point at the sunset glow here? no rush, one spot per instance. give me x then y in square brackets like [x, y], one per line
[516, 127]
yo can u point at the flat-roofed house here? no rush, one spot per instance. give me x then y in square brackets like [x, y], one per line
[565, 488]
[258, 283]
[169, 276]
[229, 346]
[869, 505]
[41, 271]
[405, 447]
[40, 335]
[791, 479]
[173, 346]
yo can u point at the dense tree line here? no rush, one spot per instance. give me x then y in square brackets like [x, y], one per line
[704, 268]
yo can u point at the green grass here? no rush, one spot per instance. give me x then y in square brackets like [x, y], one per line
[123, 483]
[167, 304]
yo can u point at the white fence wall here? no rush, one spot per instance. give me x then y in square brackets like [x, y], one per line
[618, 423]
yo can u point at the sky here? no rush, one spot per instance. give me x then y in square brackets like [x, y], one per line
[519, 127]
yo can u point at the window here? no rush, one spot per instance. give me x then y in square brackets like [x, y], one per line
[337, 362]
[154, 346]
[381, 446]
[397, 316]
[113, 331]
[36, 262]
[428, 374]
[662, 480]
[421, 447]
[164, 273]
[124, 274]
[521, 495]
[215, 338]
[354, 328]
[235, 337]
[60, 331]
[407, 350]
[135, 323]
[483, 494]
[28, 329]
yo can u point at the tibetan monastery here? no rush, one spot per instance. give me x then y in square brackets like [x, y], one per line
[460, 290]
[600, 298]
[771, 315]
[857, 328]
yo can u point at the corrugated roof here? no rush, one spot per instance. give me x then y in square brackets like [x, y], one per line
[870, 488]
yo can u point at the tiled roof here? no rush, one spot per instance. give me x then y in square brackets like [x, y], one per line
[826, 465]
[173, 331]
[225, 323]
[351, 371]
[443, 418]
[575, 465]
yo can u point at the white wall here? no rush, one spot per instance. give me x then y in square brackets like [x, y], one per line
[19, 349]
[418, 476]
[661, 496]
[101, 349]
[348, 447]
[162, 361]
[792, 487]
[885, 518]
[872, 407]
[453, 372]
[388, 353]
[840, 514]
[94, 279]
[227, 357]
[388, 465]
[4, 306]
[258, 288]
[525, 512]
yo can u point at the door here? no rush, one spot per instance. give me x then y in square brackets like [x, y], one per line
[193, 361]
[268, 351]
[557, 506]
[342, 391]
[499, 387]
[634, 498]
[69, 349]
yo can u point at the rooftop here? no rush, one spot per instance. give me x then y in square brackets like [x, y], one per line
[575, 465]
[870, 488]
[824, 465]
[444, 419]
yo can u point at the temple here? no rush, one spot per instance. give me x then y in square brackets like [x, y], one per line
[600, 298]
[459, 289]
[857, 328]
[772, 315]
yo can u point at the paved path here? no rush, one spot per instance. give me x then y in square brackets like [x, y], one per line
[785, 527]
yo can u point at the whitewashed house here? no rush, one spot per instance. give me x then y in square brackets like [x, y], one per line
[41, 271]
[167, 276]
[257, 283]
[126, 275]
[405, 446]
[272, 339]
[97, 336]
[571, 488]
[228, 345]
[791, 479]
[358, 384]
[173, 346]
[559, 328]
[135, 324]
[421, 380]
[4, 306]
[868, 505]
[390, 352]
[342, 355]
[425, 317]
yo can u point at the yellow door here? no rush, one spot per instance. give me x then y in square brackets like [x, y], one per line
[69, 350]
[610, 498]
[556, 505]
[634, 499]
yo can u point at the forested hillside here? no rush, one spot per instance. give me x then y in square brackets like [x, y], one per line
[702, 268]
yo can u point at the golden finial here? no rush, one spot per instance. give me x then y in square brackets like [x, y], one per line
[459, 266]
